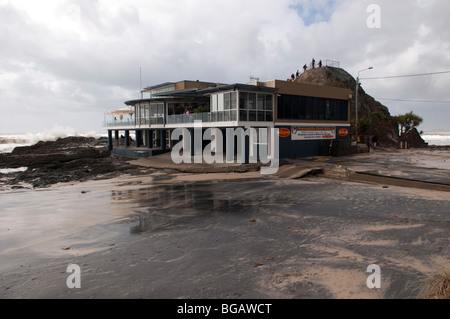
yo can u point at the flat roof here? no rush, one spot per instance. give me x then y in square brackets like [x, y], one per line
[238, 86]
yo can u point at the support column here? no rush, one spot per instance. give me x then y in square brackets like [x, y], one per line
[110, 144]
[138, 138]
[150, 138]
[127, 138]
[163, 139]
[116, 137]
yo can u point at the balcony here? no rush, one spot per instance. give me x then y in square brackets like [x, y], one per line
[118, 123]
[184, 118]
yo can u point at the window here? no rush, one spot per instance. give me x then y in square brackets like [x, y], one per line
[243, 115]
[292, 107]
[255, 107]
[157, 113]
[252, 101]
[243, 98]
[269, 102]
[233, 100]
[227, 102]
[260, 102]
[213, 102]
[220, 102]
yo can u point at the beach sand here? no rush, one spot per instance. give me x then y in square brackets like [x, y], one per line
[171, 234]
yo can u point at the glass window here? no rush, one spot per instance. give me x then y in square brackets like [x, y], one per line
[295, 107]
[269, 116]
[233, 100]
[261, 116]
[322, 107]
[161, 110]
[302, 108]
[243, 99]
[220, 105]
[315, 108]
[252, 116]
[227, 97]
[327, 110]
[269, 102]
[260, 102]
[243, 115]
[252, 101]
[309, 108]
[213, 102]
[281, 107]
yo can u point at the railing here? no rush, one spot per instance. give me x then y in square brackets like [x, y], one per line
[184, 118]
[221, 116]
[118, 123]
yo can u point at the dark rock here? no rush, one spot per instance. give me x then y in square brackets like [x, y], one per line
[383, 127]
[65, 160]
[413, 139]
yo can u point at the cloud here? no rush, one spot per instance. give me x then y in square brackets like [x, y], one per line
[62, 60]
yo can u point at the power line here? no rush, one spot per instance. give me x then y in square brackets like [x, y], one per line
[417, 101]
[405, 76]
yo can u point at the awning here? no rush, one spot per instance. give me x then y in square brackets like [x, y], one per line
[124, 110]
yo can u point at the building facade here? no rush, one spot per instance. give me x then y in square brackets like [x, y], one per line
[310, 118]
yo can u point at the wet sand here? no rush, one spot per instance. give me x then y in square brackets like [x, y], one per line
[231, 235]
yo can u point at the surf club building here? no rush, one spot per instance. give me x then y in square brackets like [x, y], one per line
[312, 120]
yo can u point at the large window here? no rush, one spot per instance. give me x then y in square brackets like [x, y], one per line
[157, 113]
[224, 107]
[255, 107]
[143, 117]
[292, 107]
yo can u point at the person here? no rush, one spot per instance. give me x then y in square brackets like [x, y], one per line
[313, 63]
[374, 142]
[298, 73]
[304, 68]
[320, 63]
[292, 76]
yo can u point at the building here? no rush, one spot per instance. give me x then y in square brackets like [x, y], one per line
[310, 118]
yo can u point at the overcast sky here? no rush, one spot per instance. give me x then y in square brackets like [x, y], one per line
[66, 63]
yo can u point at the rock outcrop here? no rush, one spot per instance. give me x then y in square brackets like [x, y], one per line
[65, 160]
[382, 125]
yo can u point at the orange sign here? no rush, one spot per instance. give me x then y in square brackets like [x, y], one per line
[284, 132]
[343, 132]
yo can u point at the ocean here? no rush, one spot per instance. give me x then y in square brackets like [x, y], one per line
[9, 141]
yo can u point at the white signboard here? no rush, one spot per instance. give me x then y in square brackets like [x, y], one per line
[313, 133]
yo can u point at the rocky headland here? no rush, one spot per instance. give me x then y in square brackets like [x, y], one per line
[64, 160]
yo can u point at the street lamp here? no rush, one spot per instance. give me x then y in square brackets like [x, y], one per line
[356, 98]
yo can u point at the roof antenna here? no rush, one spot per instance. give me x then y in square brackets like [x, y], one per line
[254, 80]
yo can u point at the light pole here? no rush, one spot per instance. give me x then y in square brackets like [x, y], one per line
[356, 98]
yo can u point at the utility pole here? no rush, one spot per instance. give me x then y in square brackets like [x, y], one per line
[356, 98]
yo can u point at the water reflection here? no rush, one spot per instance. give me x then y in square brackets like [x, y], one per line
[173, 206]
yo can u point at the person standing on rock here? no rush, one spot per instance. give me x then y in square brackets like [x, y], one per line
[313, 63]
[304, 68]
[320, 63]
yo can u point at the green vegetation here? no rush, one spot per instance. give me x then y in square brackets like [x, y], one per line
[367, 123]
[408, 121]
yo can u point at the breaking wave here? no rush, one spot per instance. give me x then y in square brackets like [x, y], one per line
[9, 141]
